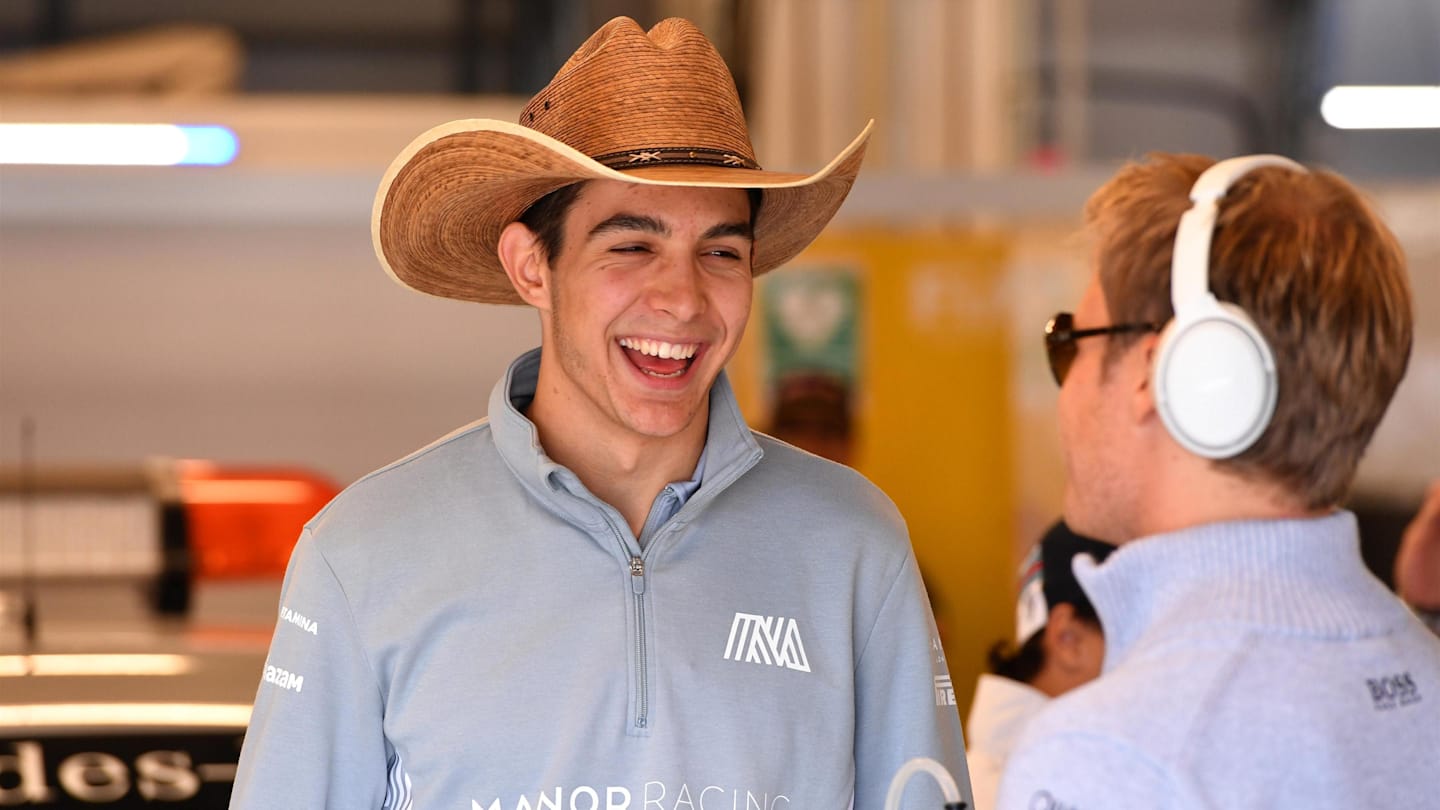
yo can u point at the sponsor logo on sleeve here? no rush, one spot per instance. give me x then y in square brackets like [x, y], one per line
[1393, 691]
[944, 691]
[770, 640]
[306, 625]
[285, 679]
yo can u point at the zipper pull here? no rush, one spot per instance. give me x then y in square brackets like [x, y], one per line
[637, 575]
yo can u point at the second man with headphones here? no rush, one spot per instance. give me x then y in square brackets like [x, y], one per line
[1245, 328]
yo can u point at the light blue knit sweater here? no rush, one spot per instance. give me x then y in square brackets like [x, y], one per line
[1249, 664]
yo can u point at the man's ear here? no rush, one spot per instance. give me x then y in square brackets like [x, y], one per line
[524, 260]
[1142, 399]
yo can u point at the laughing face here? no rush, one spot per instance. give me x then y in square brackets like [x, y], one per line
[642, 307]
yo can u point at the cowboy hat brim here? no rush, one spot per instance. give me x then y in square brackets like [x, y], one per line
[445, 199]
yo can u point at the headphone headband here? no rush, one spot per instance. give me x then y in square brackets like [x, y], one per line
[1190, 262]
[1215, 379]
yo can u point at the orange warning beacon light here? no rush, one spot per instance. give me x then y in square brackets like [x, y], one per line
[244, 521]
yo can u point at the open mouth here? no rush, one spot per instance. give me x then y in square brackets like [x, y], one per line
[658, 358]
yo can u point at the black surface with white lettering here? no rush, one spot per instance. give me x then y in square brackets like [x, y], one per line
[119, 771]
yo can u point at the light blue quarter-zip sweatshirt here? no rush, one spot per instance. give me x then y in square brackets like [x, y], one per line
[469, 628]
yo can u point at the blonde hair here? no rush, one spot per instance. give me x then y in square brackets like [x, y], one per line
[1323, 278]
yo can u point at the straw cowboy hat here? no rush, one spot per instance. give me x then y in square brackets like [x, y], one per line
[656, 108]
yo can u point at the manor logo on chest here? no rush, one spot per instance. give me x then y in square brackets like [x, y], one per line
[769, 640]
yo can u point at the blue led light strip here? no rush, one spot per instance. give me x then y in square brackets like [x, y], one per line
[117, 145]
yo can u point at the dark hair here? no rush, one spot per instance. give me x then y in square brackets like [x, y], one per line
[1085, 612]
[546, 216]
[1021, 663]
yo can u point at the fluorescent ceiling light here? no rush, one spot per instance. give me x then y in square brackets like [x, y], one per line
[116, 145]
[153, 715]
[101, 664]
[1382, 107]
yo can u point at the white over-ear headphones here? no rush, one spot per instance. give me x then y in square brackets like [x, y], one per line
[1214, 377]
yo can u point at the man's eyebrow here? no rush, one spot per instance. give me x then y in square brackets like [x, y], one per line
[741, 229]
[630, 222]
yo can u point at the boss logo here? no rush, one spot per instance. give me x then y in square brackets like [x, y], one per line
[1392, 691]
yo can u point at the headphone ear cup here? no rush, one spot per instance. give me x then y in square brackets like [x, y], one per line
[1214, 380]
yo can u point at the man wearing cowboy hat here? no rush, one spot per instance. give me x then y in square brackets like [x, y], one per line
[610, 593]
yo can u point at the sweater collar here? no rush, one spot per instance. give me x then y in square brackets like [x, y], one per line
[730, 449]
[1303, 576]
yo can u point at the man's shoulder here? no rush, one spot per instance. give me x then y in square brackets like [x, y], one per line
[1169, 680]
[801, 480]
[1083, 768]
[414, 483]
[804, 467]
[1098, 745]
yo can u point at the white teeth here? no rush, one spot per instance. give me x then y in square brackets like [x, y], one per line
[661, 349]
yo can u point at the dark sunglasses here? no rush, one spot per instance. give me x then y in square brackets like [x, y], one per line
[1061, 334]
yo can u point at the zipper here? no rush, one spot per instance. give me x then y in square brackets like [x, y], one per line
[637, 585]
[637, 588]
[637, 579]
